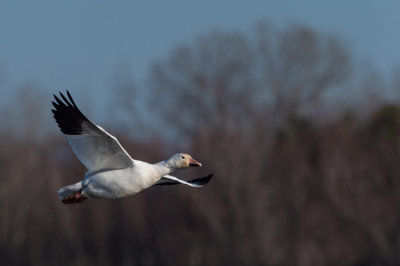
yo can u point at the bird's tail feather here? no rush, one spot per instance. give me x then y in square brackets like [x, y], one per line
[68, 190]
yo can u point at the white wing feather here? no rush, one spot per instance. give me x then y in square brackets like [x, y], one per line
[99, 151]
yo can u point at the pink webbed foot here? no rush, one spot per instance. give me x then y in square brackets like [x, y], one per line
[76, 197]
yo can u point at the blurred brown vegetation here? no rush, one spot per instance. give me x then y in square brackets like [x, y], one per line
[301, 178]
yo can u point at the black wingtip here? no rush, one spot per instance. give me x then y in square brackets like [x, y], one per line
[67, 115]
[202, 181]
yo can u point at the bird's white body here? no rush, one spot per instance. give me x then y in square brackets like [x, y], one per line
[122, 183]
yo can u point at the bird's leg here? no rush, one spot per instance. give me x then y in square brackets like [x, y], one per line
[75, 197]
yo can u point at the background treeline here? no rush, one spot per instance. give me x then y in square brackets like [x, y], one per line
[304, 143]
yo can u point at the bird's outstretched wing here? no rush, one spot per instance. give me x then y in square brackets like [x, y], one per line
[94, 147]
[172, 180]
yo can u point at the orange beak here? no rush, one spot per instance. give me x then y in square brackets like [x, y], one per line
[194, 163]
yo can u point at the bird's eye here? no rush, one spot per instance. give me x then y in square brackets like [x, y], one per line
[183, 157]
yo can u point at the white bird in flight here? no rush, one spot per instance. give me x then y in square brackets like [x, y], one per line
[111, 172]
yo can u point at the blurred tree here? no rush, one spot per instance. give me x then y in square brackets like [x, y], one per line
[209, 84]
[229, 80]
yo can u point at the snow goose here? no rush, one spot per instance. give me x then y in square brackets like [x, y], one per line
[111, 172]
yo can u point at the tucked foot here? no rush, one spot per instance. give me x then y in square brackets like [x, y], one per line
[76, 197]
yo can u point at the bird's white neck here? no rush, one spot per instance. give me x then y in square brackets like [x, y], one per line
[165, 167]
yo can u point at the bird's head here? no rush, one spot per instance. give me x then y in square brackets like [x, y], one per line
[183, 160]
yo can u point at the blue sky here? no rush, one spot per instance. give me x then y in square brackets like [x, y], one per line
[81, 44]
